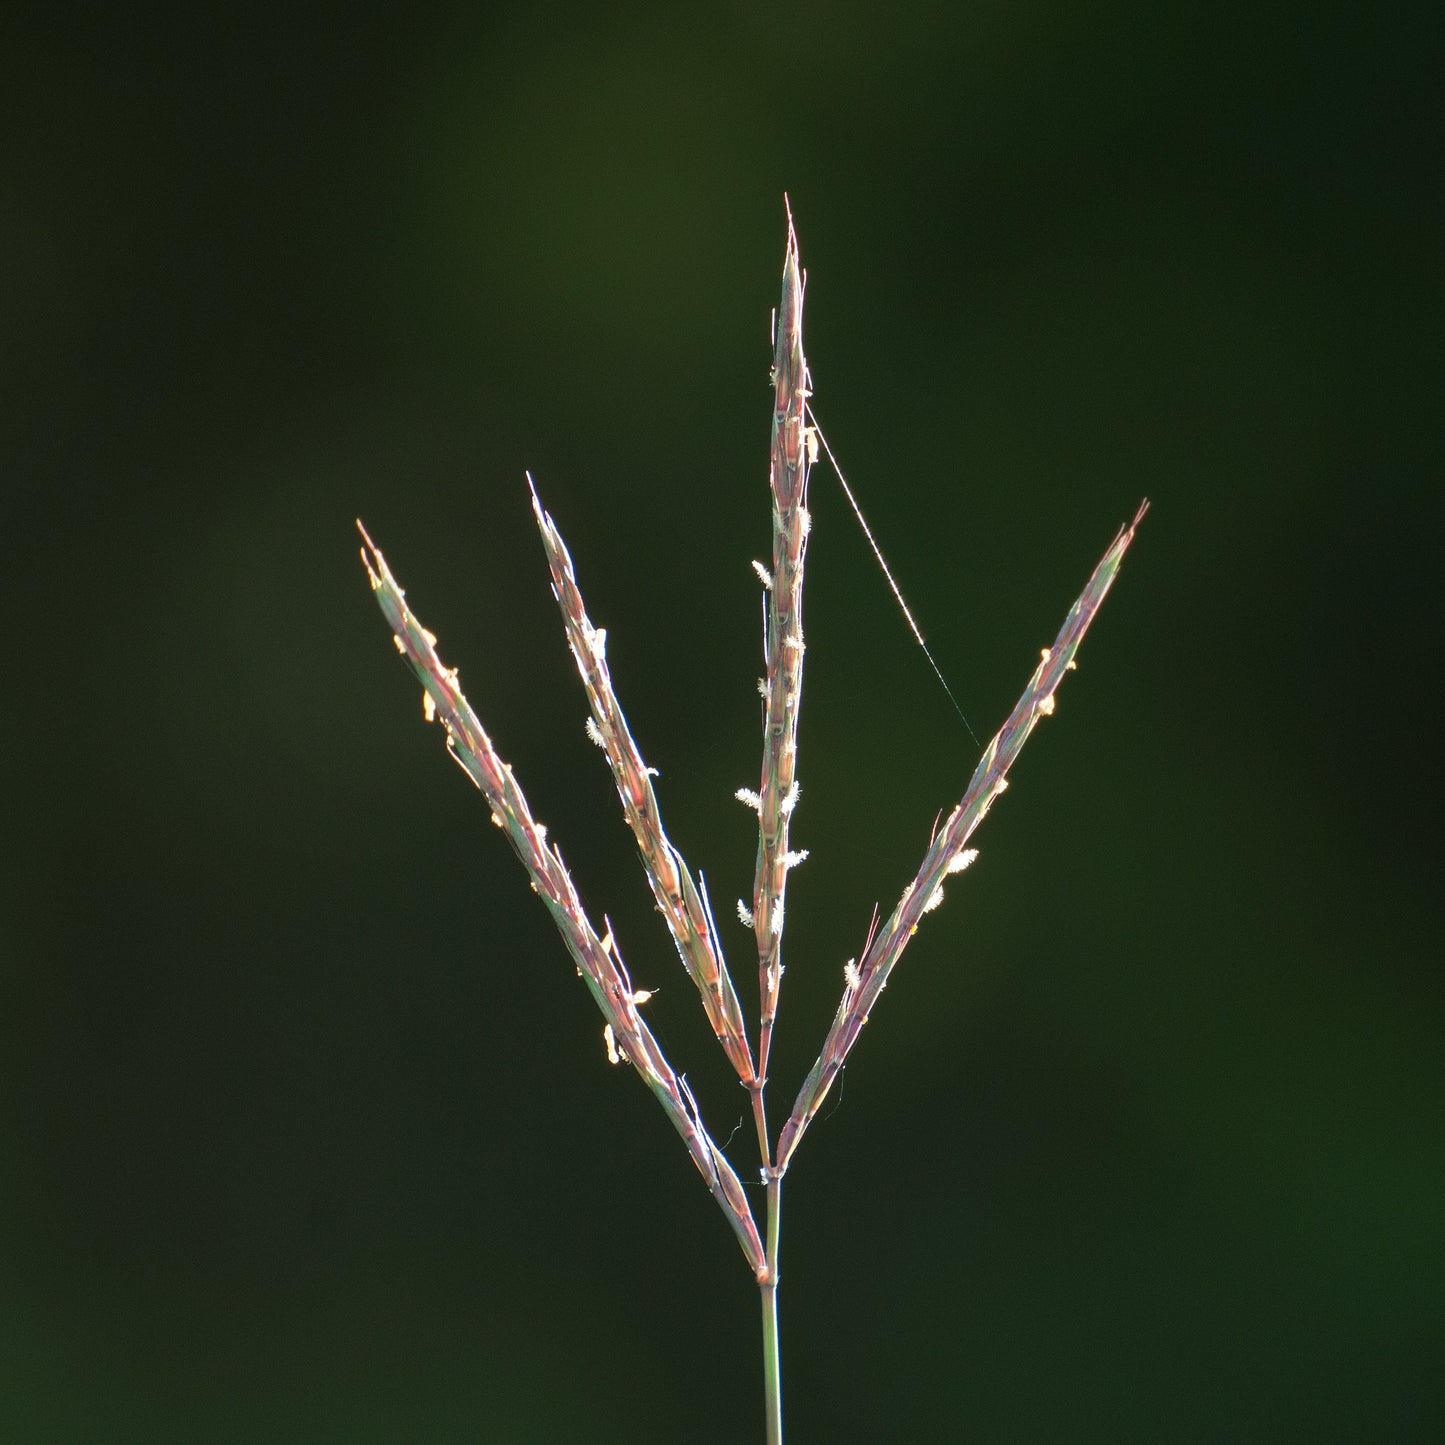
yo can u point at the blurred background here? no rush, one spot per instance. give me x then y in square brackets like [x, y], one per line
[306, 1128]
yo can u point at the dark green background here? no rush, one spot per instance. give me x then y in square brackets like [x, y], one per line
[306, 1132]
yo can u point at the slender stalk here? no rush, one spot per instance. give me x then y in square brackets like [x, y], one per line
[757, 1092]
[772, 1360]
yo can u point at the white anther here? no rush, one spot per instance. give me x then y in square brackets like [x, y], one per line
[615, 1055]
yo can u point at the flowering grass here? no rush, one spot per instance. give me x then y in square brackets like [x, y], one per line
[683, 901]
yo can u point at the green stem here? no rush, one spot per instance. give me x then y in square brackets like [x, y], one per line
[772, 1363]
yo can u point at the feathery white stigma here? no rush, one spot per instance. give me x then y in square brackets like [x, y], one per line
[750, 798]
[745, 915]
[791, 860]
[764, 576]
[790, 799]
[594, 733]
[957, 865]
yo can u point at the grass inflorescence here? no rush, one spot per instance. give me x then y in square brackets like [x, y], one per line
[682, 900]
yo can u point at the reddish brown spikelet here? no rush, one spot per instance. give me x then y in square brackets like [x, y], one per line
[783, 642]
[948, 845]
[677, 897]
[469, 744]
